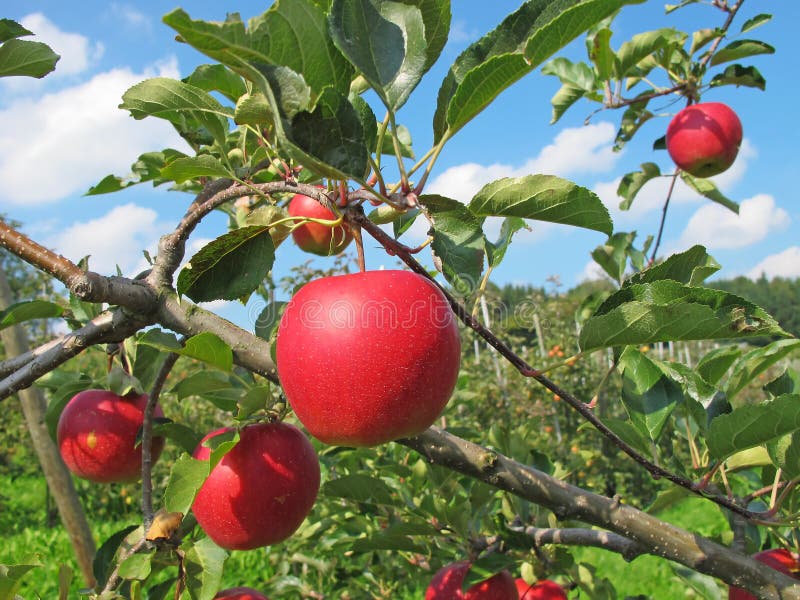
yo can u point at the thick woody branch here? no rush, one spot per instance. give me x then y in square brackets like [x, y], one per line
[111, 326]
[576, 536]
[570, 502]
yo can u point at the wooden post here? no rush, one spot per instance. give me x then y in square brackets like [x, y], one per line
[58, 477]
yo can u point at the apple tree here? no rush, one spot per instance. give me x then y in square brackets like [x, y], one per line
[301, 103]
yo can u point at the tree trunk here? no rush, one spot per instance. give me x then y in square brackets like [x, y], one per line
[58, 477]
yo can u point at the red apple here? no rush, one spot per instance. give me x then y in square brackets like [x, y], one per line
[240, 593]
[97, 436]
[316, 237]
[261, 490]
[779, 559]
[448, 581]
[369, 357]
[704, 139]
[542, 590]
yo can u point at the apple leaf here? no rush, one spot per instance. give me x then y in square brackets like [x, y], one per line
[147, 168]
[202, 384]
[708, 188]
[739, 49]
[11, 29]
[186, 437]
[787, 383]
[359, 488]
[753, 425]
[755, 362]
[104, 557]
[667, 310]
[691, 267]
[756, 21]
[632, 183]
[738, 75]
[185, 479]
[544, 198]
[26, 58]
[648, 394]
[526, 38]
[26, 311]
[230, 267]
[203, 565]
[136, 566]
[218, 78]
[785, 453]
[713, 366]
[179, 103]
[192, 167]
[268, 319]
[639, 47]
[205, 346]
[386, 43]
[458, 242]
[496, 251]
[612, 256]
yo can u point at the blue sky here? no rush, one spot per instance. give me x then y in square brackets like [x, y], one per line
[62, 134]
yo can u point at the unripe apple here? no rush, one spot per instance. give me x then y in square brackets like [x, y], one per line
[369, 357]
[316, 237]
[97, 436]
[541, 590]
[261, 490]
[779, 559]
[704, 139]
[448, 581]
[240, 593]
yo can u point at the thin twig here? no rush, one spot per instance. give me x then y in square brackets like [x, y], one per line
[664, 215]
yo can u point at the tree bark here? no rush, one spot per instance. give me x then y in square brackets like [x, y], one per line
[56, 474]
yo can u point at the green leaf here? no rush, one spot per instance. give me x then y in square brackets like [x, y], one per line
[26, 311]
[601, 54]
[753, 425]
[787, 383]
[436, 18]
[713, 366]
[739, 49]
[230, 267]
[11, 29]
[192, 167]
[404, 222]
[667, 310]
[185, 479]
[179, 103]
[691, 267]
[544, 198]
[184, 436]
[632, 120]
[707, 188]
[252, 109]
[755, 362]
[785, 453]
[648, 394]
[121, 383]
[256, 399]
[738, 75]
[10, 578]
[702, 37]
[103, 561]
[218, 78]
[458, 242]
[136, 566]
[386, 43]
[359, 488]
[756, 21]
[26, 58]
[202, 384]
[204, 564]
[641, 46]
[209, 348]
[630, 434]
[578, 79]
[526, 38]
[495, 252]
[146, 168]
[612, 256]
[566, 96]
[268, 319]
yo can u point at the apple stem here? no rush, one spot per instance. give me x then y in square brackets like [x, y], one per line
[355, 229]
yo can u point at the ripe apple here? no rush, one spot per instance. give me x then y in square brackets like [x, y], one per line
[779, 559]
[704, 139]
[369, 357]
[542, 590]
[97, 436]
[261, 490]
[240, 593]
[315, 237]
[448, 581]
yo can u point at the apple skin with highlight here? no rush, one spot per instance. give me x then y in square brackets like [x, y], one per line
[317, 238]
[97, 436]
[779, 559]
[704, 139]
[261, 490]
[369, 357]
[240, 593]
[541, 590]
[448, 582]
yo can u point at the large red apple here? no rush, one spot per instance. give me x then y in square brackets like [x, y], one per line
[369, 357]
[240, 593]
[261, 490]
[704, 139]
[542, 590]
[779, 559]
[97, 436]
[316, 237]
[448, 581]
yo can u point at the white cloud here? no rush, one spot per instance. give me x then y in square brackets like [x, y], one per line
[131, 16]
[116, 238]
[592, 272]
[60, 144]
[716, 227]
[783, 264]
[77, 52]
